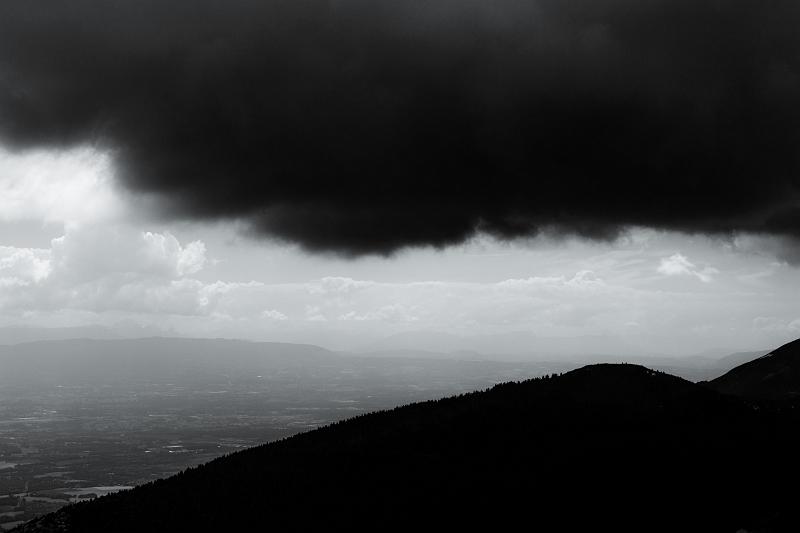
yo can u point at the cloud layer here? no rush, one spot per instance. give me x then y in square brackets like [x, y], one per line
[362, 126]
[647, 293]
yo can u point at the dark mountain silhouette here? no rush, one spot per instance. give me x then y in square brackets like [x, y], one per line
[774, 376]
[601, 448]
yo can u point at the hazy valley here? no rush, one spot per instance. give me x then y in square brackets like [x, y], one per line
[80, 418]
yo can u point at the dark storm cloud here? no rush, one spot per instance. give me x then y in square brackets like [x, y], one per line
[366, 125]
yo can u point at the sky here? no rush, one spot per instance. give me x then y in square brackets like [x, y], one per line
[340, 171]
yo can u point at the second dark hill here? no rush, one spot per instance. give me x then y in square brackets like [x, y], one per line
[774, 376]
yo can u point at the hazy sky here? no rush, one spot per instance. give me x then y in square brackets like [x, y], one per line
[338, 171]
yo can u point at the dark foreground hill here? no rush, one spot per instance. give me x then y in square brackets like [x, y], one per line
[602, 448]
[774, 376]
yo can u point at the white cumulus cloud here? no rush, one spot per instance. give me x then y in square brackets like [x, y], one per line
[678, 264]
[24, 265]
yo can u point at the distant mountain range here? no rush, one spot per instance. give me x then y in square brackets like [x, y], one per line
[10, 335]
[521, 345]
[156, 359]
[607, 447]
[555, 353]
[511, 345]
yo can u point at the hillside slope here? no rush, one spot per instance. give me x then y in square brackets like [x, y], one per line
[774, 376]
[604, 447]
